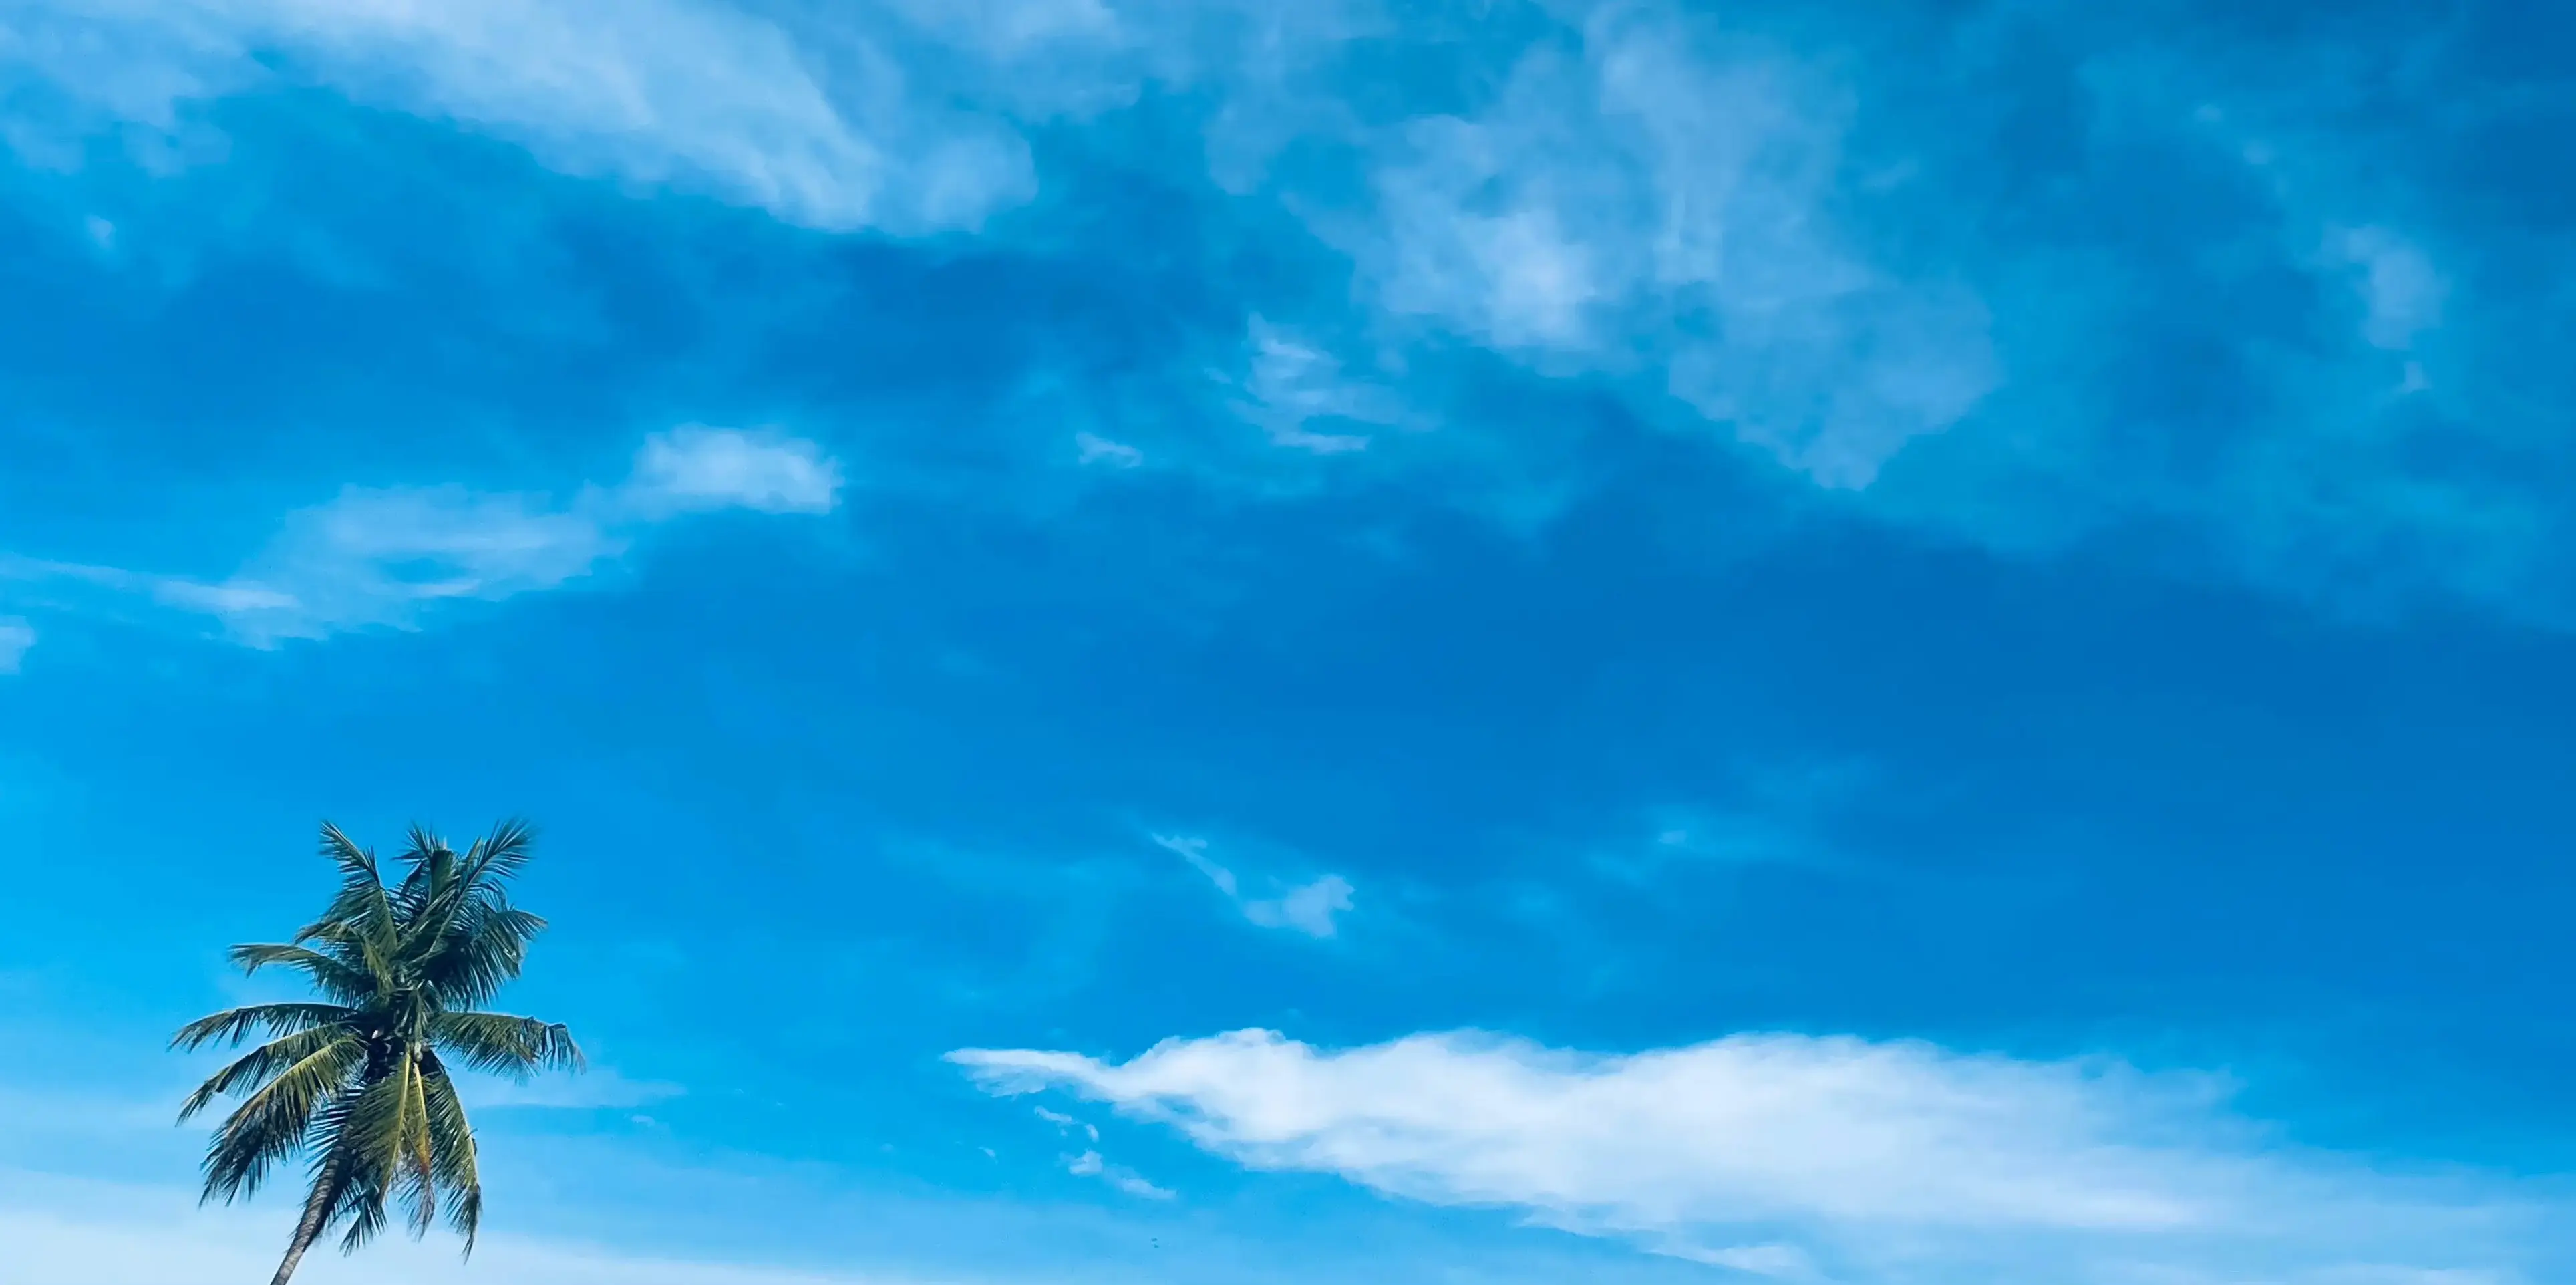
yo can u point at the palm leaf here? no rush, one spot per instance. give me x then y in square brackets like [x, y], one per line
[513, 1046]
[454, 1153]
[331, 974]
[483, 952]
[262, 1065]
[277, 1119]
[232, 1025]
[505, 852]
[362, 898]
[373, 1136]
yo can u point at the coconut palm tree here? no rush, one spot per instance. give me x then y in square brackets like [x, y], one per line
[358, 1082]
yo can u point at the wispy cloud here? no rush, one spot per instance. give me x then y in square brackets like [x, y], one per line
[1763, 815]
[383, 557]
[16, 636]
[1067, 1124]
[1090, 1165]
[1661, 201]
[1298, 394]
[1809, 1158]
[1310, 908]
[691, 93]
[2400, 290]
[1090, 448]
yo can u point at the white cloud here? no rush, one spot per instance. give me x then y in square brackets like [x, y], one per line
[684, 92]
[1067, 1124]
[2400, 290]
[379, 557]
[16, 636]
[382, 557]
[1093, 449]
[1090, 1165]
[1629, 191]
[1291, 385]
[1819, 1158]
[1657, 202]
[1662, 203]
[1309, 908]
[694, 468]
[1503, 269]
[1194, 851]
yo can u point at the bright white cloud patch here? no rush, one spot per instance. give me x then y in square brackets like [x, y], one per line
[16, 636]
[696, 468]
[1804, 1157]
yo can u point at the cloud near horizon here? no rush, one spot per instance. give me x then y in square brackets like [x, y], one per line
[116, 1234]
[1815, 1158]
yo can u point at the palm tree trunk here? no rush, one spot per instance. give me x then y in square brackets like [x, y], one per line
[308, 1228]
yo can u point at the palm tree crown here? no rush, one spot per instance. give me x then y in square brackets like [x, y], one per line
[358, 1081]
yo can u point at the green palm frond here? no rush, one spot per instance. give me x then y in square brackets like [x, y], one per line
[467, 937]
[420, 1154]
[330, 974]
[363, 1209]
[385, 1136]
[358, 1084]
[428, 865]
[513, 1046]
[362, 900]
[505, 851]
[457, 1165]
[482, 952]
[265, 1064]
[235, 1024]
[371, 1134]
[277, 1118]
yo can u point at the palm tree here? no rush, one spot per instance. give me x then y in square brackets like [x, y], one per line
[359, 1082]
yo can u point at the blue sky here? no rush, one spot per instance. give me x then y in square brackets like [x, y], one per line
[1226, 642]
